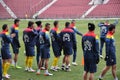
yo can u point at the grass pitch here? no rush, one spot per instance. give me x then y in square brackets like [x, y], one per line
[77, 71]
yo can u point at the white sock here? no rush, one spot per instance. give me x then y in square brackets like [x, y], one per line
[46, 71]
[100, 77]
[13, 63]
[116, 78]
[38, 70]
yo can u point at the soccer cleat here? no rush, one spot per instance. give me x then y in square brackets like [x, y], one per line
[48, 74]
[53, 68]
[6, 76]
[42, 68]
[31, 70]
[18, 67]
[63, 67]
[69, 65]
[101, 56]
[74, 64]
[58, 68]
[68, 69]
[38, 72]
[26, 69]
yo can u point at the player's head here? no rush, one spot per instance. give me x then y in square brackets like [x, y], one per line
[5, 27]
[39, 23]
[67, 24]
[73, 22]
[91, 27]
[16, 22]
[47, 26]
[112, 28]
[56, 24]
[31, 24]
[107, 22]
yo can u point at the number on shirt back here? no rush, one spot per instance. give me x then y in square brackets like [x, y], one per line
[26, 38]
[66, 37]
[87, 45]
[52, 37]
[41, 39]
[103, 30]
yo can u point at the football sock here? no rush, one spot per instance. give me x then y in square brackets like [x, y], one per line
[55, 61]
[30, 61]
[26, 62]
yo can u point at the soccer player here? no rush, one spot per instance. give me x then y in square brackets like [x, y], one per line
[29, 38]
[110, 53]
[90, 47]
[103, 31]
[15, 42]
[38, 29]
[73, 27]
[5, 50]
[44, 49]
[56, 46]
[67, 37]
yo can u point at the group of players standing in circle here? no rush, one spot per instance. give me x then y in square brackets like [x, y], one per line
[61, 40]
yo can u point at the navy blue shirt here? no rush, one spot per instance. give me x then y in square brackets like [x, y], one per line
[90, 45]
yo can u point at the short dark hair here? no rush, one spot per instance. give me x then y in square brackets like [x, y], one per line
[4, 26]
[38, 23]
[30, 23]
[47, 24]
[91, 27]
[111, 27]
[72, 21]
[55, 23]
[67, 24]
[16, 20]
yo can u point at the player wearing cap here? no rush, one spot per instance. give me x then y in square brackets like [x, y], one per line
[90, 47]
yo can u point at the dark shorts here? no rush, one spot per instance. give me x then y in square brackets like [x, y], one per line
[38, 49]
[5, 52]
[30, 51]
[67, 50]
[111, 62]
[45, 52]
[56, 50]
[90, 65]
[15, 48]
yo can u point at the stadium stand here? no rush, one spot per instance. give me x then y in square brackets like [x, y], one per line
[26, 7]
[60, 9]
[109, 10]
[4, 13]
[66, 9]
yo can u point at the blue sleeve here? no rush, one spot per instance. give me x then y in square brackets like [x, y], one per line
[12, 30]
[115, 22]
[8, 38]
[47, 39]
[100, 24]
[107, 46]
[76, 31]
[74, 39]
[97, 47]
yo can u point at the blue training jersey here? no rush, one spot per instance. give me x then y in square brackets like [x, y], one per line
[29, 37]
[90, 45]
[5, 39]
[110, 45]
[67, 37]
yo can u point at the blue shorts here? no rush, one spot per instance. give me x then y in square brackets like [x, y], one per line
[30, 51]
[67, 50]
[5, 52]
[15, 48]
[45, 52]
[111, 62]
[90, 65]
[56, 50]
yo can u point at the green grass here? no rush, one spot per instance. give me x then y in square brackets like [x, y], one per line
[77, 71]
